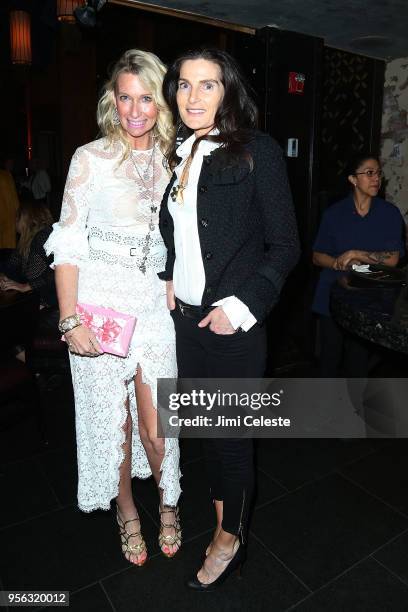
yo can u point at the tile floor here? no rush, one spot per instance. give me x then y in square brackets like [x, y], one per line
[329, 529]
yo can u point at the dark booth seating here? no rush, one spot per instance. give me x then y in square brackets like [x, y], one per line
[19, 396]
[46, 354]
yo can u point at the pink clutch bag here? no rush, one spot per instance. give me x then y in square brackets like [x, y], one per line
[113, 329]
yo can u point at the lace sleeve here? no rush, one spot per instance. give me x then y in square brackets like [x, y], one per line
[69, 238]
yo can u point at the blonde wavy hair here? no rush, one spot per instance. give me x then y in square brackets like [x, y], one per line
[151, 71]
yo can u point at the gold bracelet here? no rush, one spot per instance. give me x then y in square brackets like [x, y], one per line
[65, 325]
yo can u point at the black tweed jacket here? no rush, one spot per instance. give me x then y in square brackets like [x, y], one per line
[246, 225]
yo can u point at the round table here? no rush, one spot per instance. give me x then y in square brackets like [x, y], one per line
[377, 313]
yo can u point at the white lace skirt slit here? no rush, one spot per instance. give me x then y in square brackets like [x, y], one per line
[102, 385]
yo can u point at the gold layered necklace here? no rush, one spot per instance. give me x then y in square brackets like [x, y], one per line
[177, 193]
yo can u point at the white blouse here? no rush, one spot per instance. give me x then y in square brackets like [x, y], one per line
[188, 273]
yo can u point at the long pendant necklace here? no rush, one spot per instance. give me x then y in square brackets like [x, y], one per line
[146, 170]
[153, 207]
[177, 193]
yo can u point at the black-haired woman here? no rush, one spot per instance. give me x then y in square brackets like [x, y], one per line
[228, 223]
[361, 229]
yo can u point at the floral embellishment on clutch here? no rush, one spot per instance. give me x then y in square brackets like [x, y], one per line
[113, 329]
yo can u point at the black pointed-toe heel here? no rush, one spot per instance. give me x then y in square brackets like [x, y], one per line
[235, 565]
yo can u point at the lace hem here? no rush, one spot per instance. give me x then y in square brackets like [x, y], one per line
[170, 475]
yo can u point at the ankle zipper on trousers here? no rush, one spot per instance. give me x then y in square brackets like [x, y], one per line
[241, 527]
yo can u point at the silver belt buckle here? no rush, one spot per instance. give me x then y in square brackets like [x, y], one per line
[181, 308]
[132, 252]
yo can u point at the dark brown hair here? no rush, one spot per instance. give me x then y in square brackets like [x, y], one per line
[359, 160]
[34, 216]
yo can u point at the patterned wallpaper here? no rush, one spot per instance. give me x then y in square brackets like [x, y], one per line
[394, 149]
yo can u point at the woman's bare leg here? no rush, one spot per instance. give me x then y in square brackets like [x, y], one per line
[219, 506]
[223, 548]
[154, 448]
[126, 506]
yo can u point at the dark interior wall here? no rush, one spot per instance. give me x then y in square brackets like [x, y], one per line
[77, 90]
[39, 80]
[164, 35]
[68, 69]
[351, 112]
[58, 88]
[268, 58]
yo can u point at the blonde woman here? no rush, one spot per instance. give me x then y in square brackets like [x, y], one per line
[107, 252]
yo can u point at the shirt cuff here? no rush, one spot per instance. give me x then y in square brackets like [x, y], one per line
[237, 312]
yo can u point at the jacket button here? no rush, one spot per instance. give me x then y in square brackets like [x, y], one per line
[204, 222]
[207, 161]
[208, 255]
[165, 223]
[208, 290]
[202, 189]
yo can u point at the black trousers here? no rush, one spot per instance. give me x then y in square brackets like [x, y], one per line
[229, 462]
[341, 353]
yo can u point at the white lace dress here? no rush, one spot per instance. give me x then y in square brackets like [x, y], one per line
[104, 221]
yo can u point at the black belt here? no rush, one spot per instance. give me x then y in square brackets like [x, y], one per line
[192, 312]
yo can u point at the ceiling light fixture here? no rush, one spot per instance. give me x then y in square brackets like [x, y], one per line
[65, 9]
[20, 37]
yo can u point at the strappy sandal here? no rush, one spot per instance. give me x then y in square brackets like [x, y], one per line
[170, 540]
[131, 549]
